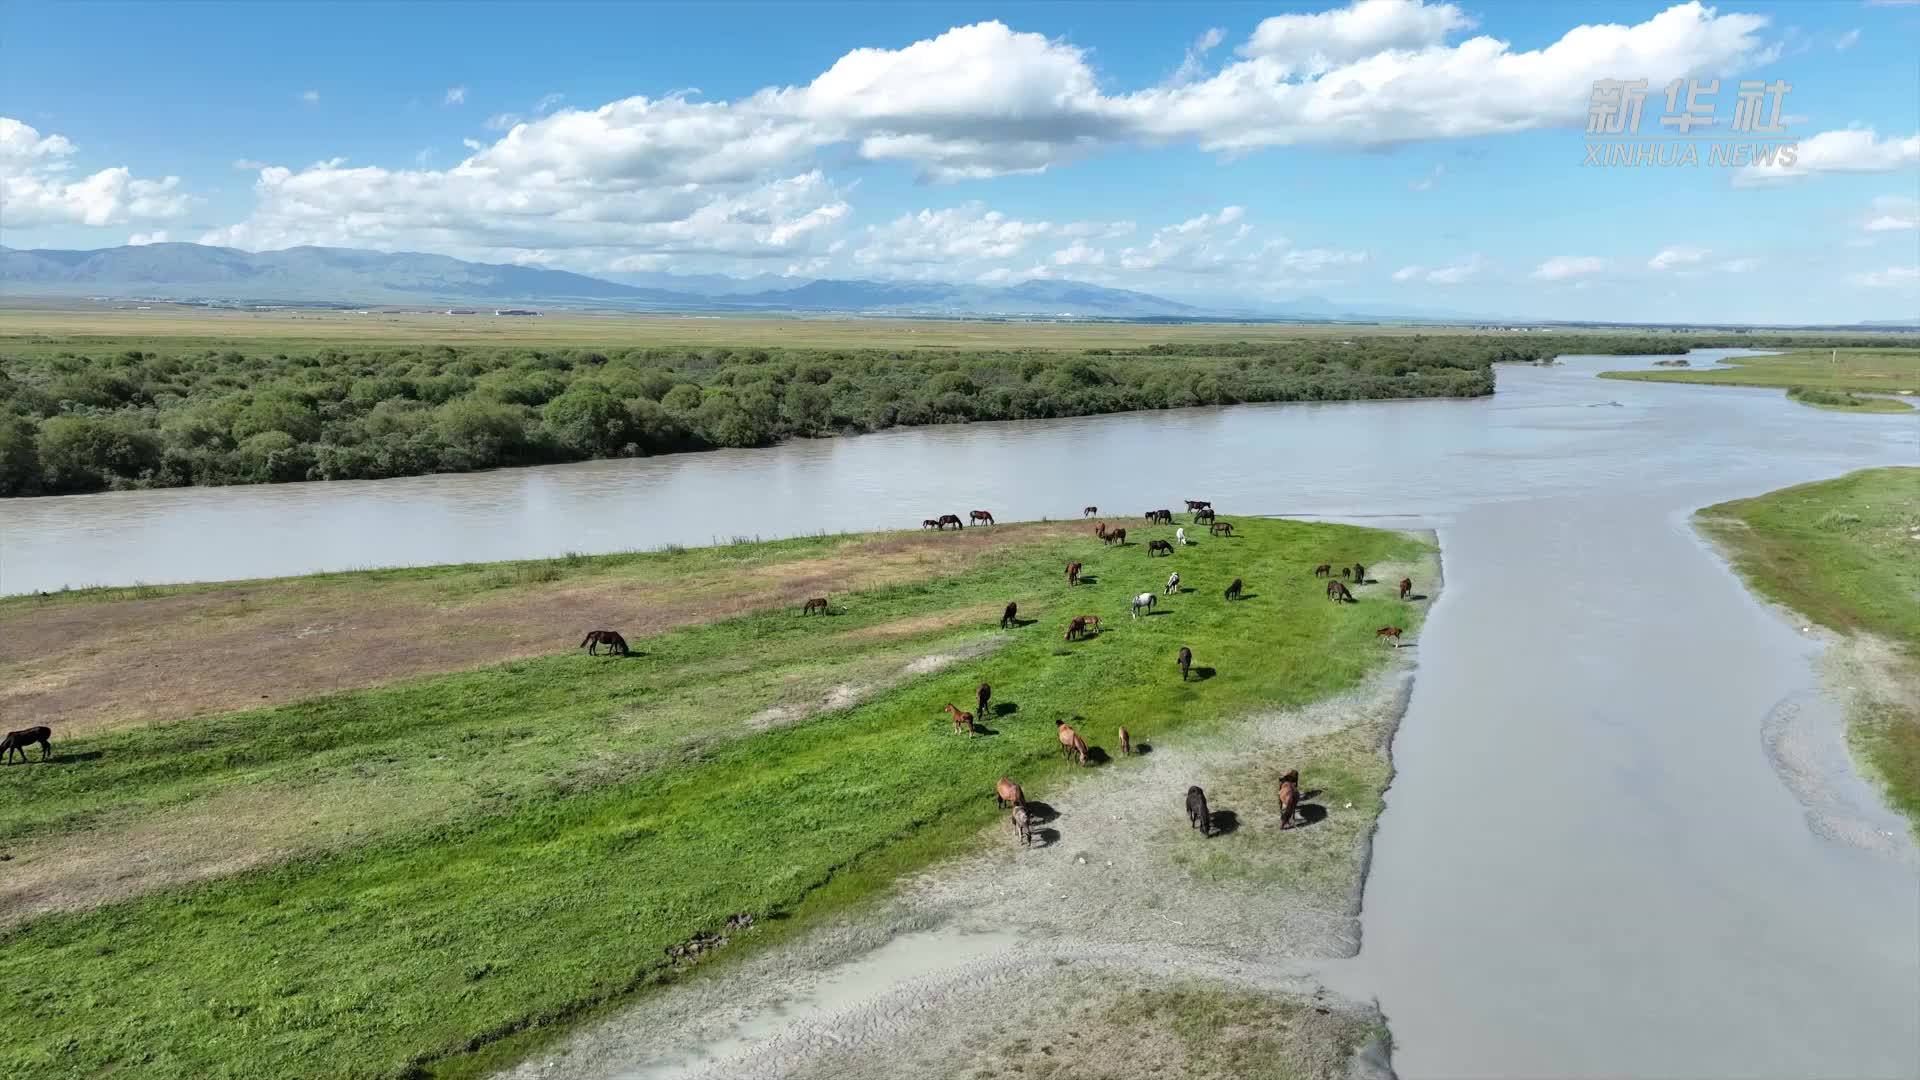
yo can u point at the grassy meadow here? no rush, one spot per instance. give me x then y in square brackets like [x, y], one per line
[412, 877]
[1845, 553]
[1828, 377]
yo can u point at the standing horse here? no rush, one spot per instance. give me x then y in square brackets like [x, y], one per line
[1337, 592]
[1390, 634]
[1198, 504]
[977, 516]
[1346, 571]
[1090, 511]
[1180, 537]
[1233, 590]
[1076, 627]
[1202, 515]
[1092, 621]
[953, 520]
[818, 603]
[1073, 573]
[1289, 797]
[1406, 587]
[1126, 743]
[18, 741]
[1323, 570]
[1007, 617]
[1220, 528]
[962, 721]
[1197, 814]
[930, 523]
[1144, 600]
[1185, 660]
[981, 696]
[1359, 574]
[1173, 583]
[616, 645]
[1117, 536]
[1022, 825]
[1071, 744]
[1007, 793]
[1154, 546]
[1100, 529]
[1160, 516]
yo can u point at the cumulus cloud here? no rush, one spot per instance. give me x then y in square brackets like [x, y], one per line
[1458, 272]
[1678, 258]
[1195, 61]
[1569, 267]
[1893, 277]
[1318, 42]
[1853, 150]
[35, 189]
[1893, 213]
[141, 239]
[456, 95]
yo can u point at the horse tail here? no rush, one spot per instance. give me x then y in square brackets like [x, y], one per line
[584, 640]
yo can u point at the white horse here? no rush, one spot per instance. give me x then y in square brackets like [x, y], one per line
[1144, 600]
[1180, 535]
[1173, 583]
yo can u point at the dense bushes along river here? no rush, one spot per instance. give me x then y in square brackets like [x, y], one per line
[128, 418]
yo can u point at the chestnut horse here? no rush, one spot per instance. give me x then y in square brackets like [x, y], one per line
[1185, 660]
[1073, 573]
[1076, 627]
[962, 721]
[1007, 617]
[1323, 570]
[1406, 587]
[1090, 511]
[1233, 590]
[616, 645]
[1007, 793]
[1197, 815]
[18, 741]
[1126, 743]
[1337, 592]
[1289, 797]
[981, 697]
[818, 603]
[1092, 621]
[1159, 545]
[1389, 634]
[1071, 743]
[977, 516]
[1100, 529]
[951, 519]
[1220, 528]
[1117, 536]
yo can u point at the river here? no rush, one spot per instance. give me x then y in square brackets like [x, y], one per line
[1589, 863]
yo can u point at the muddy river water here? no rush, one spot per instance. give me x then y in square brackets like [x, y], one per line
[1590, 863]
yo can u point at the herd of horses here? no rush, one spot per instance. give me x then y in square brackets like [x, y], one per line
[976, 516]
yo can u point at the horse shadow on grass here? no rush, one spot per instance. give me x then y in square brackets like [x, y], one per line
[1249, 596]
[1089, 579]
[1412, 596]
[1005, 708]
[61, 758]
[1097, 755]
[1202, 674]
[1018, 623]
[1224, 822]
[1141, 749]
[982, 729]
[1308, 813]
[1040, 813]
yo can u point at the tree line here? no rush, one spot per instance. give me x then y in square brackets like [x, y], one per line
[137, 418]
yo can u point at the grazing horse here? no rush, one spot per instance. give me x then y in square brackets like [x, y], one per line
[1071, 743]
[978, 516]
[1185, 660]
[1144, 600]
[1199, 504]
[1389, 634]
[1073, 573]
[1022, 825]
[1233, 590]
[1337, 592]
[818, 603]
[1126, 743]
[1173, 583]
[1220, 528]
[1197, 814]
[1117, 536]
[962, 721]
[1092, 621]
[1159, 545]
[1007, 617]
[1076, 627]
[1100, 529]
[20, 740]
[1323, 570]
[981, 697]
[1007, 793]
[930, 523]
[1180, 537]
[1346, 571]
[953, 520]
[1161, 516]
[1406, 587]
[1203, 515]
[616, 645]
[1090, 511]
[1359, 574]
[1289, 797]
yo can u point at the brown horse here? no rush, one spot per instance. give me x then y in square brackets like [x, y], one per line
[1154, 546]
[962, 721]
[1100, 529]
[1323, 570]
[1220, 528]
[930, 523]
[1076, 627]
[1185, 660]
[1126, 743]
[1007, 617]
[1289, 797]
[1117, 536]
[818, 603]
[1337, 592]
[1389, 634]
[1092, 621]
[20, 740]
[1197, 814]
[1203, 515]
[616, 645]
[1359, 574]
[1007, 793]
[1073, 573]
[977, 516]
[1090, 511]
[1071, 743]
[1406, 587]
[951, 519]
[1164, 517]
[1233, 590]
[981, 697]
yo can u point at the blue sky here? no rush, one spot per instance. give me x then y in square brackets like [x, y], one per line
[1391, 151]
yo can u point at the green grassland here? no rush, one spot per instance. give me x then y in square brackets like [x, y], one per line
[1831, 375]
[1845, 553]
[527, 839]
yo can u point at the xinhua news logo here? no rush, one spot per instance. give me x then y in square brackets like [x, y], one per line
[1692, 130]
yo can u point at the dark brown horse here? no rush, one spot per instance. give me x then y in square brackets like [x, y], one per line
[1007, 617]
[1359, 574]
[1071, 744]
[977, 516]
[1220, 528]
[1073, 573]
[1406, 587]
[1389, 634]
[1337, 592]
[818, 603]
[1117, 536]
[1199, 504]
[962, 721]
[1076, 627]
[1100, 529]
[20, 740]
[1346, 571]
[951, 519]
[1323, 570]
[1155, 546]
[1126, 743]
[981, 697]
[929, 523]
[1289, 797]
[616, 645]
[1090, 511]
[1197, 814]
[1203, 515]
[1007, 793]
[1185, 660]
[1164, 517]
[1233, 590]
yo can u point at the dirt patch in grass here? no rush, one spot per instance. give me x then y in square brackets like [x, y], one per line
[92, 667]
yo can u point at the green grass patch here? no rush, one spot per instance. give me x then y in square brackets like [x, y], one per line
[598, 811]
[1842, 401]
[1879, 370]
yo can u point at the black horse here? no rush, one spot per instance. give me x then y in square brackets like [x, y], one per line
[1233, 590]
[1185, 660]
[616, 645]
[20, 740]
[1197, 814]
[1007, 617]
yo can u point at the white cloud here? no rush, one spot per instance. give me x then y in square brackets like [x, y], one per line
[1429, 181]
[249, 164]
[1853, 150]
[962, 233]
[311, 97]
[1893, 277]
[548, 103]
[141, 239]
[456, 95]
[1678, 258]
[1569, 267]
[501, 121]
[1080, 253]
[1893, 213]
[1458, 272]
[1315, 43]
[472, 144]
[1847, 40]
[35, 190]
[1195, 61]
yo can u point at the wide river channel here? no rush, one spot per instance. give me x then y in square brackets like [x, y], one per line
[1591, 861]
